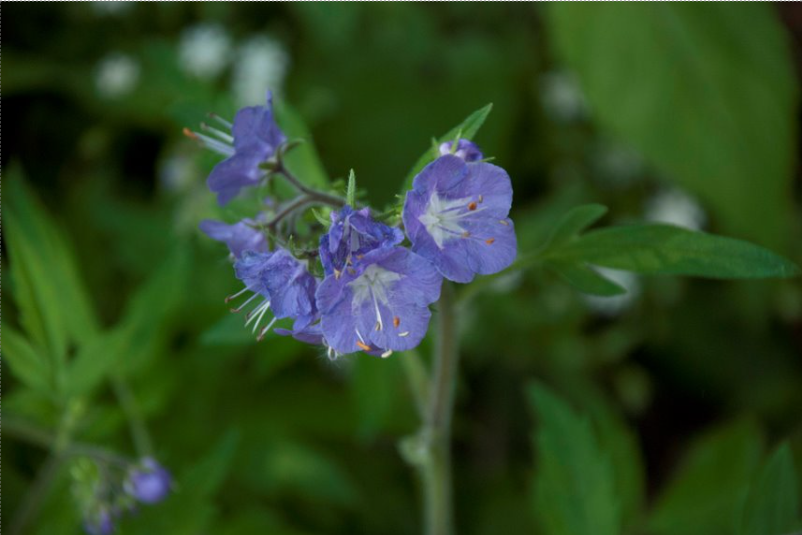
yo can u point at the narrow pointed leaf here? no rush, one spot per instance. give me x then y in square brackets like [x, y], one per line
[771, 505]
[466, 129]
[670, 250]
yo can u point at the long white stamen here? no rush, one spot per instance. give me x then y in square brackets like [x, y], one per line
[243, 305]
[360, 336]
[234, 296]
[259, 313]
[379, 322]
[387, 353]
[228, 138]
[266, 329]
[220, 120]
[215, 145]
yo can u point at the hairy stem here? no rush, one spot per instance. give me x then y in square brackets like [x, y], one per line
[436, 465]
[320, 197]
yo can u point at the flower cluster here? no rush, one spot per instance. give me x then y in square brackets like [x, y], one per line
[108, 489]
[370, 291]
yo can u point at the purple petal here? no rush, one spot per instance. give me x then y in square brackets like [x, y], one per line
[239, 237]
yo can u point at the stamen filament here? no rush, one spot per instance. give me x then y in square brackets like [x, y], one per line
[219, 133]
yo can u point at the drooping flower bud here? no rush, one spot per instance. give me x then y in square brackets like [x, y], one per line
[149, 482]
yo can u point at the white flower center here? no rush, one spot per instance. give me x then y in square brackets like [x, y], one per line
[442, 217]
[372, 285]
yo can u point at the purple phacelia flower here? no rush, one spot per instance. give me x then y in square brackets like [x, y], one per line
[100, 522]
[253, 140]
[149, 482]
[456, 216]
[464, 149]
[283, 284]
[352, 234]
[379, 304]
[239, 237]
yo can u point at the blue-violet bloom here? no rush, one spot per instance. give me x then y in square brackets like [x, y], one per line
[352, 234]
[149, 482]
[284, 285]
[465, 149]
[239, 237]
[380, 304]
[456, 216]
[100, 522]
[253, 140]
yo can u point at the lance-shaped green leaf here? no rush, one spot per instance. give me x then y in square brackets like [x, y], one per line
[575, 490]
[54, 307]
[26, 362]
[350, 192]
[467, 129]
[668, 250]
[704, 494]
[574, 222]
[303, 159]
[130, 342]
[771, 504]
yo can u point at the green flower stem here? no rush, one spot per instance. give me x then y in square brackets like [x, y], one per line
[418, 380]
[139, 432]
[436, 464]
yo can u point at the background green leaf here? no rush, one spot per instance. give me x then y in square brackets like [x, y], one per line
[686, 86]
[54, 306]
[771, 504]
[670, 250]
[703, 496]
[575, 491]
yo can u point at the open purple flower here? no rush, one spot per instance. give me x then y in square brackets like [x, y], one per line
[254, 138]
[149, 483]
[352, 234]
[283, 284]
[239, 237]
[456, 216]
[380, 304]
[465, 149]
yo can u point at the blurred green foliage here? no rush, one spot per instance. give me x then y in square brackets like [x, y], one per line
[662, 404]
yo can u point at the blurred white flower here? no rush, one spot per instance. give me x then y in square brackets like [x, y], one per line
[111, 7]
[204, 50]
[677, 208]
[613, 306]
[261, 64]
[561, 97]
[116, 75]
[615, 164]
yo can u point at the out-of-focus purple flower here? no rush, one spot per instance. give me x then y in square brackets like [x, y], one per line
[253, 140]
[283, 284]
[456, 216]
[239, 237]
[149, 482]
[99, 522]
[465, 149]
[380, 304]
[354, 233]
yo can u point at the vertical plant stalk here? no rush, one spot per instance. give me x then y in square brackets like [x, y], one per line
[139, 432]
[436, 465]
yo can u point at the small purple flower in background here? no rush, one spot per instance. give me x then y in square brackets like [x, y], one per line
[352, 234]
[456, 216]
[239, 237]
[379, 305]
[100, 522]
[284, 285]
[149, 482]
[253, 140]
[465, 149]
